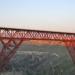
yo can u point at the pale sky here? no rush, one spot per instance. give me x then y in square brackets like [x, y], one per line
[51, 15]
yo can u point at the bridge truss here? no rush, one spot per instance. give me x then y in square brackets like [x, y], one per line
[11, 39]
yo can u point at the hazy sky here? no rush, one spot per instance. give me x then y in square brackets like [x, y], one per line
[53, 15]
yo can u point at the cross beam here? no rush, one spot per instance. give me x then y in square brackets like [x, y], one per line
[8, 33]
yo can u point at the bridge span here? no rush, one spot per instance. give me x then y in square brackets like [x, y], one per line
[12, 38]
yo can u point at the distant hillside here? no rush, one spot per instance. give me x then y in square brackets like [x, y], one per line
[42, 60]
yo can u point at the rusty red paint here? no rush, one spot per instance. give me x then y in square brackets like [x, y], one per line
[16, 37]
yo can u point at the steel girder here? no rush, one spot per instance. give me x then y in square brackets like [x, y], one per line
[11, 39]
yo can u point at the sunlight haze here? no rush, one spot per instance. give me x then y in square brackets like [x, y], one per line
[51, 15]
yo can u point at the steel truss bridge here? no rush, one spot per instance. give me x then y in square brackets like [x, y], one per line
[11, 39]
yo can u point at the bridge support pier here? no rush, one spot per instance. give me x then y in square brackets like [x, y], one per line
[9, 47]
[71, 49]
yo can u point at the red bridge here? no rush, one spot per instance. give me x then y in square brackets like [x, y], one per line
[11, 39]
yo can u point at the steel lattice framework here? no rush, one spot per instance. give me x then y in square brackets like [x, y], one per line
[11, 39]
